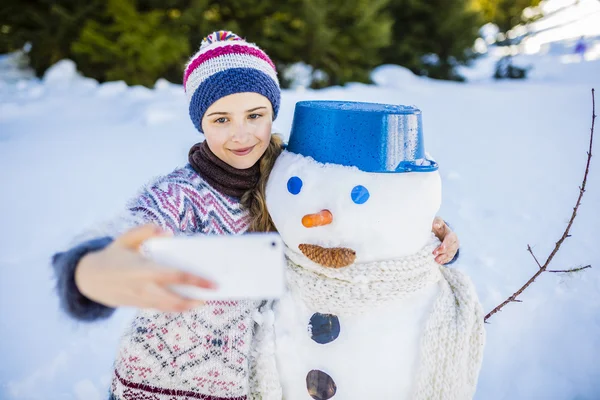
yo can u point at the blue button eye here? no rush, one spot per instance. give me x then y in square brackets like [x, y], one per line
[360, 194]
[294, 185]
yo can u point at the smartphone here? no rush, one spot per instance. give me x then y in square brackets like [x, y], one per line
[249, 266]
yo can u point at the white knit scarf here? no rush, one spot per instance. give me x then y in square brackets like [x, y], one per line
[453, 339]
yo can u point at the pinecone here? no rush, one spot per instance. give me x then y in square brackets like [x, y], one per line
[336, 257]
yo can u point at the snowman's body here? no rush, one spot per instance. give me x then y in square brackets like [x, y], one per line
[376, 355]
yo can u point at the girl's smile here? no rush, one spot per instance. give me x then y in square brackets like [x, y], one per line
[242, 152]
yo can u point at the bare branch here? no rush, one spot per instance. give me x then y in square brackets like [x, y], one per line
[569, 270]
[543, 268]
[533, 255]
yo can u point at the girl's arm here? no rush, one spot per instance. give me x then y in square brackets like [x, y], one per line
[89, 288]
[71, 300]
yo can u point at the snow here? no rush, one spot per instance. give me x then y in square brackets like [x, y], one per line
[393, 76]
[567, 19]
[511, 156]
[359, 345]
[63, 72]
[10, 70]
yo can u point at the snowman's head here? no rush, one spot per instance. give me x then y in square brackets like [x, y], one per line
[354, 180]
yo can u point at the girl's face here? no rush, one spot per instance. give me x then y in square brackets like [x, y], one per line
[237, 128]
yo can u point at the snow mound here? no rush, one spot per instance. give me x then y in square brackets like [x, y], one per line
[12, 70]
[162, 84]
[139, 92]
[482, 69]
[111, 89]
[393, 76]
[64, 71]
[158, 115]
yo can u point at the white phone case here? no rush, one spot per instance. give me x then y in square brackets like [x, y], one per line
[249, 266]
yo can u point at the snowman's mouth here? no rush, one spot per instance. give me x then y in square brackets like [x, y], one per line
[331, 257]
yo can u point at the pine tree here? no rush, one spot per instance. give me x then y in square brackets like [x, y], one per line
[272, 26]
[129, 45]
[504, 13]
[432, 37]
[344, 38]
[141, 40]
[49, 26]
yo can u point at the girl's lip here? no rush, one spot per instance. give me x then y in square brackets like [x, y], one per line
[242, 152]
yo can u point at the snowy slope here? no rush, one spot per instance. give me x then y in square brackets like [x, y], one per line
[511, 156]
[564, 20]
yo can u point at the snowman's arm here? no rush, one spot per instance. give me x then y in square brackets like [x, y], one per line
[142, 209]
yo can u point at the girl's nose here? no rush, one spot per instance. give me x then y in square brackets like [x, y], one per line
[240, 132]
[321, 218]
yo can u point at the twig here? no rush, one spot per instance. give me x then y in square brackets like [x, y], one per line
[543, 268]
[533, 255]
[569, 270]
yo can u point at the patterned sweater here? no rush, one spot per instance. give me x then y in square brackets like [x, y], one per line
[199, 354]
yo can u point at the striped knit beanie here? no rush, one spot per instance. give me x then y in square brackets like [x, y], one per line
[224, 65]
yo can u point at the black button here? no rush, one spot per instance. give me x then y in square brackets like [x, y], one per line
[324, 328]
[320, 385]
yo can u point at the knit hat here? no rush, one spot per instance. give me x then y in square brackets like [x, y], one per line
[224, 65]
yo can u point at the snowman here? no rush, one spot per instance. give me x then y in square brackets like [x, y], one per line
[368, 313]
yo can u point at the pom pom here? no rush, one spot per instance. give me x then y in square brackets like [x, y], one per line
[219, 36]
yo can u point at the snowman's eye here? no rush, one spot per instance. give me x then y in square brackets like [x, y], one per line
[360, 194]
[294, 185]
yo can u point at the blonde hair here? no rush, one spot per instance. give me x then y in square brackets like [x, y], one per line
[254, 200]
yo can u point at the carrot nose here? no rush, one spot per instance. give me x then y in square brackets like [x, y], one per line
[319, 219]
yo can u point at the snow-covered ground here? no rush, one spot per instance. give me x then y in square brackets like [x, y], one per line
[511, 155]
[563, 21]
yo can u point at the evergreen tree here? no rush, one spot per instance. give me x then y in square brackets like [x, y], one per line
[129, 45]
[141, 40]
[432, 37]
[340, 38]
[344, 38]
[274, 27]
[504, 13]
[49, 26]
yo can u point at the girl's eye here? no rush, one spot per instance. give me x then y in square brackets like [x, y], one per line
[221, 120]
[254, 116]
[294, 185]
[360, 194]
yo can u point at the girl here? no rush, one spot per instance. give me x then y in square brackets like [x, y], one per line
[174, 348]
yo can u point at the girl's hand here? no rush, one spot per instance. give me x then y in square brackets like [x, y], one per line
[447, 250]
[120, 276]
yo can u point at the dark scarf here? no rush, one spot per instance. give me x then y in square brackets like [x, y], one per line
[220, 175]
